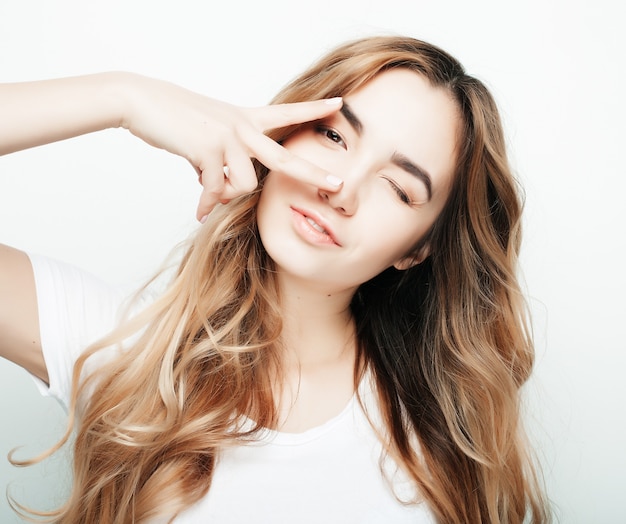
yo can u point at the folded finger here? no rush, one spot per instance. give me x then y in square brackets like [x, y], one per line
[241, 175]
[213, 180]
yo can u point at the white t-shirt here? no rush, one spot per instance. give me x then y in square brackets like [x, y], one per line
[328, 474]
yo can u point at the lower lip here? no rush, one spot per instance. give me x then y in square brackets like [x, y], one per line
[308, 232]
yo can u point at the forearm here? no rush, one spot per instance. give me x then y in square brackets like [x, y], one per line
[206, 132]
[36, 113]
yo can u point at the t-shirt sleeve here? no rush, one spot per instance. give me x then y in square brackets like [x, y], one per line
[75, 310]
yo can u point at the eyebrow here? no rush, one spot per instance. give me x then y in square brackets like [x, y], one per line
[352, 119]
[407, 165]
[400, 160]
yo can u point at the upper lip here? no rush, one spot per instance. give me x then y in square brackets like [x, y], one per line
[319, 219]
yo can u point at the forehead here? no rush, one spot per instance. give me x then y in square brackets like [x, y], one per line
[402, 111]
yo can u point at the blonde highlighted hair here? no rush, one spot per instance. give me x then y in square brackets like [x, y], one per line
[446, 341]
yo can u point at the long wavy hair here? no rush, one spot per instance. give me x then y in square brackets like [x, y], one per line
[445, 341]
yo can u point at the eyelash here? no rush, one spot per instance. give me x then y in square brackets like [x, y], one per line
[331, 135]
[335, 137]
[399, 191]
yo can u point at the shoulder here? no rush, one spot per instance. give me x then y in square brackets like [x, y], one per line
[75, 309]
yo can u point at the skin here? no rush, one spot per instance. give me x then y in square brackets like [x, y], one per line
[376, 218]
[206, 132]
[349, 181]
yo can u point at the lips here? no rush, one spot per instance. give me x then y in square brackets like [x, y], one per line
[320, 228]
[315, 225]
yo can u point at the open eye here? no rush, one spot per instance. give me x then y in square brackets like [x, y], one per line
[331, 135]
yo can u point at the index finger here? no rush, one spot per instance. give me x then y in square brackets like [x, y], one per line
[277, 158]
[283, 115]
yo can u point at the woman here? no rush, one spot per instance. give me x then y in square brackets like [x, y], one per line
[344, 339]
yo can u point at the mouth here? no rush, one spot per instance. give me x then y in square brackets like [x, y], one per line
[315, 225]
[319, 229]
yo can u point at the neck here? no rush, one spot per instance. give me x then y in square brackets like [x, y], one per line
[319, 354]
[317, 324]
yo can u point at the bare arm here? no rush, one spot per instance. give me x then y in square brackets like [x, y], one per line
[207, 132]
[36, 113]
[19, 319]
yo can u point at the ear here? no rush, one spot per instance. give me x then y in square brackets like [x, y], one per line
[413, 259]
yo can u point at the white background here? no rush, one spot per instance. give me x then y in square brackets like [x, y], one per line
[114, 206]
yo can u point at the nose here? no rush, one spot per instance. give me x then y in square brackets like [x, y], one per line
[344, 200]
[357, 173]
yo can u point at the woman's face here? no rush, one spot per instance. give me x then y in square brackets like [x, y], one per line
[394, 145]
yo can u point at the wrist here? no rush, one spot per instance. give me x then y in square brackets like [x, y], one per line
[119, 95]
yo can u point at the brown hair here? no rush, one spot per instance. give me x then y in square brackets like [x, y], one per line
[446, 341]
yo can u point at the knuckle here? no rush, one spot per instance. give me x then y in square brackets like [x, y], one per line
[242, 186]
[212, 190]
[284, 157]
[249, 185]
[238, 130]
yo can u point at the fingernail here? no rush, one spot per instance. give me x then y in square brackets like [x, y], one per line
[333, 101]
[333, 180]
[203, 219]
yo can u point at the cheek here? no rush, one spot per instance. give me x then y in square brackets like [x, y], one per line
[400, 233]
[272, 210]
[389, 235]
[298, 143]
[265, 206]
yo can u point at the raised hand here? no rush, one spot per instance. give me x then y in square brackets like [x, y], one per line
[210, 134]
[220, 139]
